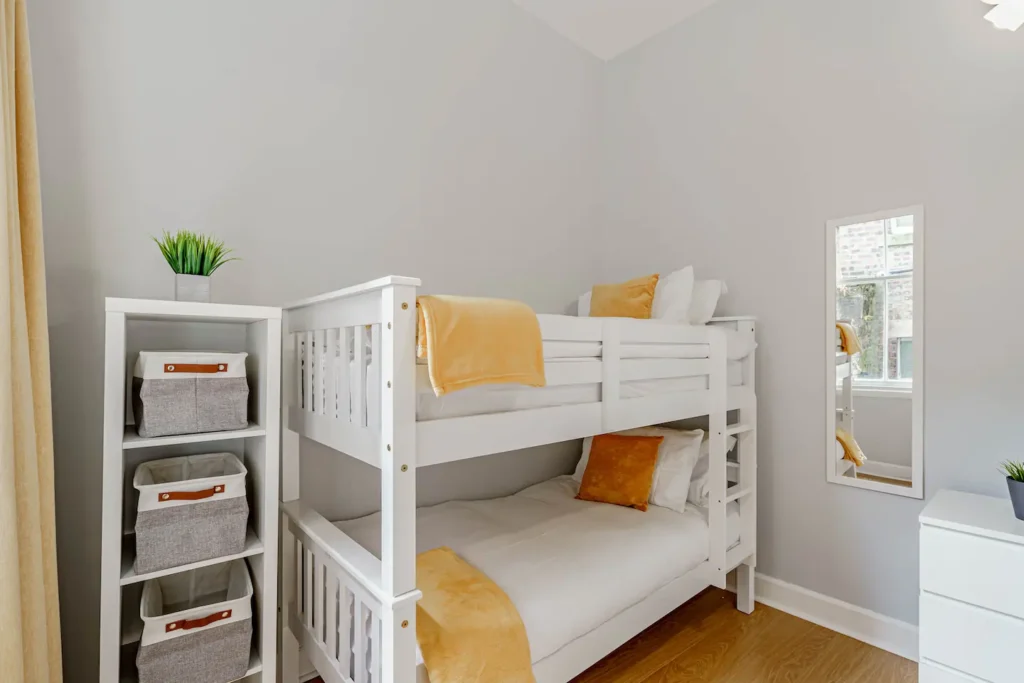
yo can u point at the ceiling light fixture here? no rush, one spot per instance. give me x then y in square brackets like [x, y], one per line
[1007, 14]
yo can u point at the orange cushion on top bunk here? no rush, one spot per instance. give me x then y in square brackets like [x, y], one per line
[633, 299]
[620, 470]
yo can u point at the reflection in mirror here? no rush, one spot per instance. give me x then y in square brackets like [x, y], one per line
[874, 351]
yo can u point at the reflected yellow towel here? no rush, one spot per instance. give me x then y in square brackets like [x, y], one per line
[468, 342]
[850, 342]
[851, 451]
[468, 629]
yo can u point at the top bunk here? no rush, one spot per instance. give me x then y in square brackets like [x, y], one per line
[352, 380]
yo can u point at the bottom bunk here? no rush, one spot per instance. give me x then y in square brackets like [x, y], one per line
[584, 577]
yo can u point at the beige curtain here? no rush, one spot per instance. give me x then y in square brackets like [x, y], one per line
[29, 616]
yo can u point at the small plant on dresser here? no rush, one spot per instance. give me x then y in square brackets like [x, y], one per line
[1014, 470]
[193, 258]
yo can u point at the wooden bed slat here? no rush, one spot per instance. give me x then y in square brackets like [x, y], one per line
[359, 651]
[331, 616]
[373, 398]
[344, 383]
[359, 376]
[319, 362]
[307, 373]
[330, 369]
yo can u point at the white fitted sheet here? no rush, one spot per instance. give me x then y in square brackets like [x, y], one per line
[567, 565]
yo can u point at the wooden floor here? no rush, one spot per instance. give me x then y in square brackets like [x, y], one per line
[886, 480]
[708, 641]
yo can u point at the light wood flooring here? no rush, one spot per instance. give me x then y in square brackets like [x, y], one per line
[886, 480]
[708, 641]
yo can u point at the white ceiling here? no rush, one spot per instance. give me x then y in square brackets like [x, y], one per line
[610, 27]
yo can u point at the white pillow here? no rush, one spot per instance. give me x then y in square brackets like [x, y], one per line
[677, 456]
[706, 294]
[583, 306]
[699, 486]
[673, 295]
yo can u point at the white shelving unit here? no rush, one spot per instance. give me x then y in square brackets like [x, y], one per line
[142, 324]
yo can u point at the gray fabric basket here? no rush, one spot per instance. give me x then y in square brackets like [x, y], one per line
[189, 393]
[191, 509]
[197, 626]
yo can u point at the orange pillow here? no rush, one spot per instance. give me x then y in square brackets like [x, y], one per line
[633, 299]
[620, 470]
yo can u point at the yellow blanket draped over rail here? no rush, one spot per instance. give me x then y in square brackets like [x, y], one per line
[468, 629]
[848, 338]
[851, 451]
[468, 342]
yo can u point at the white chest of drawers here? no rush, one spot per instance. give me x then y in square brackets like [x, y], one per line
[972, 591]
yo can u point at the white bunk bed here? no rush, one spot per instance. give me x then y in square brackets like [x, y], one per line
[844, 411]
[613, 384]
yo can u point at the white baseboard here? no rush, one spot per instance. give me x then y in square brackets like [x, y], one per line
[873, 628]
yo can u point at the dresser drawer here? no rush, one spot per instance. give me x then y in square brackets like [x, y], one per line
[982, 571]
[929, 672]
[982, 643]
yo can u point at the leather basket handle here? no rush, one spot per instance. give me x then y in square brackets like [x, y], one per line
[188, 625]
[195, 368]
[168, 496]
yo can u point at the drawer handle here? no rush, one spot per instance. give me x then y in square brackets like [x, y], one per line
[188, 625]
[191, 495]
[200, 369]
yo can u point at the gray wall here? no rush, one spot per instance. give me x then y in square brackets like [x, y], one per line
[329, 142]
[733, 138]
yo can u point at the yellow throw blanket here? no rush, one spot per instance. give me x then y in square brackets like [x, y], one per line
[468, 342]
[848, 336]
[851, 451]
[468, 629]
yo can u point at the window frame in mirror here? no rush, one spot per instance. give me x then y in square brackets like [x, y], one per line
[916, 489]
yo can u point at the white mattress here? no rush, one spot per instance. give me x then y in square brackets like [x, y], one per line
[567, 565]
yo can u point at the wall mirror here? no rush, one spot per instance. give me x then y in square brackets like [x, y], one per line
[874, 351]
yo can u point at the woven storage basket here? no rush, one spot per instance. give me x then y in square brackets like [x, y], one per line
[188, 393]
[197, 626]
[191, 508]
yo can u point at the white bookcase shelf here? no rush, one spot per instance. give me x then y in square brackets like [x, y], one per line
[141, 324]
[133, 440]
[253, 546]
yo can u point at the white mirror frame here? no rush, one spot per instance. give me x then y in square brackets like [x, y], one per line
[916, 490]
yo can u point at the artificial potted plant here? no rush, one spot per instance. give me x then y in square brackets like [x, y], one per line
[193, 258]
[1015, 481]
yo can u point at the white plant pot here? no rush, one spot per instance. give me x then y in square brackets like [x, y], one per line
[192, 288]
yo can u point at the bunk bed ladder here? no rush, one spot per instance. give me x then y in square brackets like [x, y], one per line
[745, 430]
[733, 481]
[718, 475]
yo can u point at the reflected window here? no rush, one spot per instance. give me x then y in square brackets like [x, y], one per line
[875, 293]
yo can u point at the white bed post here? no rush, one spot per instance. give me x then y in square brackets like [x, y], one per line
[747, 454]
[718, 386]
[398, 483]
[288, 662]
